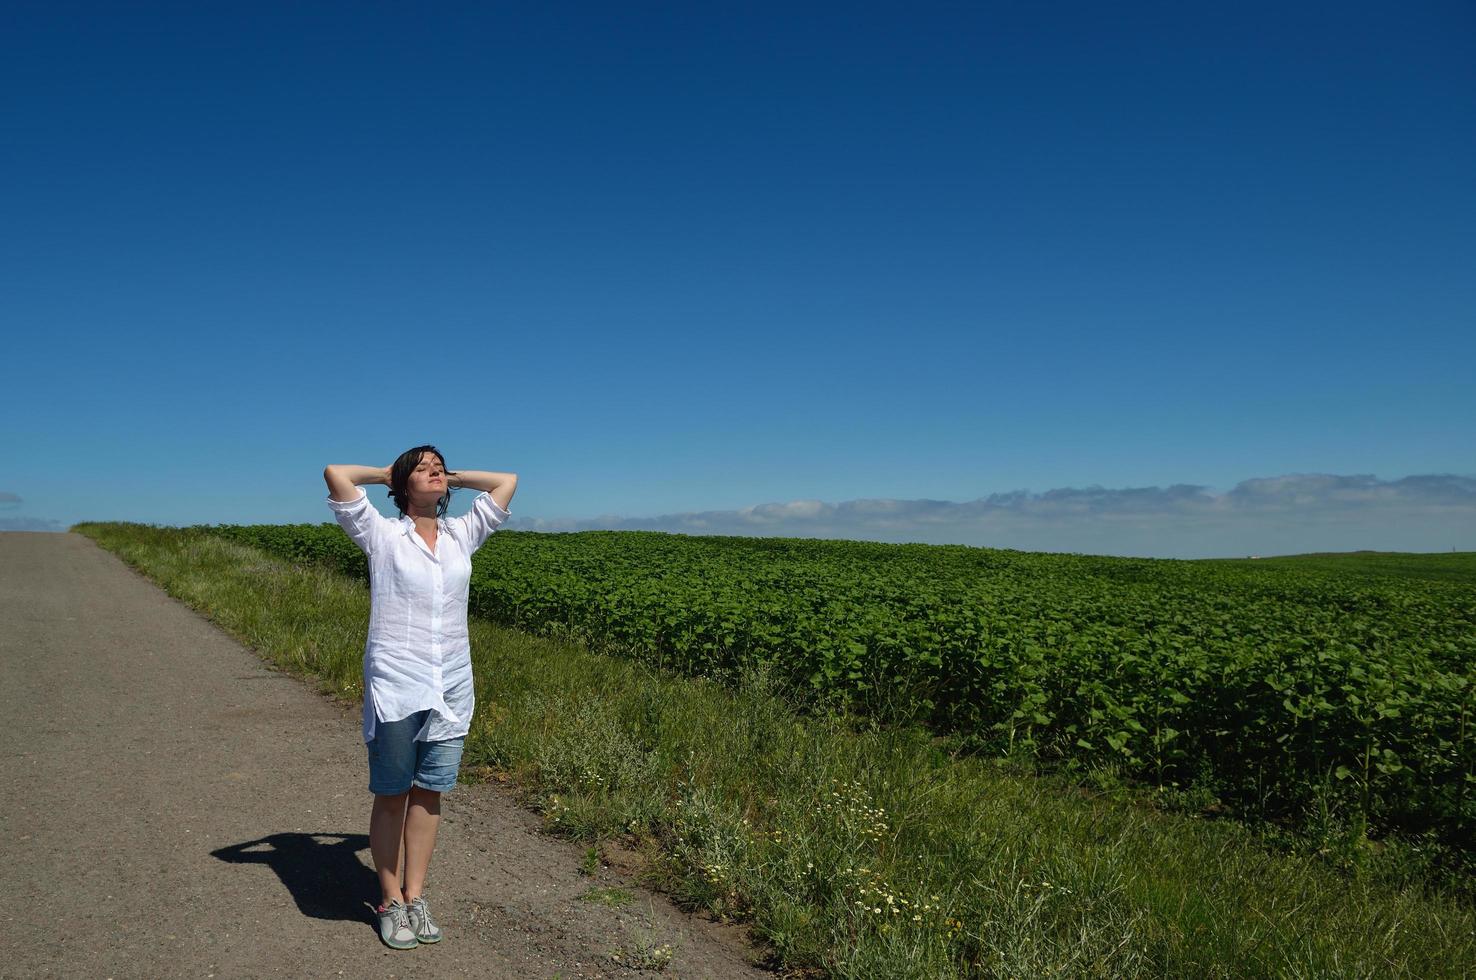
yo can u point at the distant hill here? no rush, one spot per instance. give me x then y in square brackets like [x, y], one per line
[1446, 566]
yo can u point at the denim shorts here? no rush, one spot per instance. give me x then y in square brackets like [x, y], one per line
[397, 761]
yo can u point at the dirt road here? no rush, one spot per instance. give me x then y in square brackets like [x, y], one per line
[175, 809]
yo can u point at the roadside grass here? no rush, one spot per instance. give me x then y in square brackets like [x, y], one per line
[613, 897]
[851, 851]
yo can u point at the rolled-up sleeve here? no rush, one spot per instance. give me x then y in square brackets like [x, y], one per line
[359, 519]
[484, 517]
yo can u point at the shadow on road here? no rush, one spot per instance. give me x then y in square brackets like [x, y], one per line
[322, 871]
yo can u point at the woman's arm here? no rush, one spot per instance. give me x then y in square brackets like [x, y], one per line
[501, 486]
[342, 478]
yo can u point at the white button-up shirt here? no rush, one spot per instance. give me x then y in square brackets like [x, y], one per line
[418, 654]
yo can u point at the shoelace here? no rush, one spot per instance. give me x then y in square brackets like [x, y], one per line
[399, 917]
[428, 924]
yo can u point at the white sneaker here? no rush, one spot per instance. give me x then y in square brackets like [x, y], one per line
[394, 926]
[425, 928]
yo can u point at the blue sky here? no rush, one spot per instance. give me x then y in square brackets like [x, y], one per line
[668, 260]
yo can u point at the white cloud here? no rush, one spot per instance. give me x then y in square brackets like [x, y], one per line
[30, 524]
[1268, 515]
[15, 522]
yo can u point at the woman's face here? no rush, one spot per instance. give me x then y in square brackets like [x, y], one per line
[428, 479]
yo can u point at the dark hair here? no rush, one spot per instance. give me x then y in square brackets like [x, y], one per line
[400, 478]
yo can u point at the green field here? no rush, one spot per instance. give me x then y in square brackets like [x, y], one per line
[852, 850]
[1310, 691]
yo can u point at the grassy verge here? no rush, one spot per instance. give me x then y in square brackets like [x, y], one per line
[857, 853]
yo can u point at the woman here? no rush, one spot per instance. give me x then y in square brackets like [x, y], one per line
[418, 693]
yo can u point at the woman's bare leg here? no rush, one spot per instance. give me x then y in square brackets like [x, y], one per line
[422, 818]
[386, 843]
